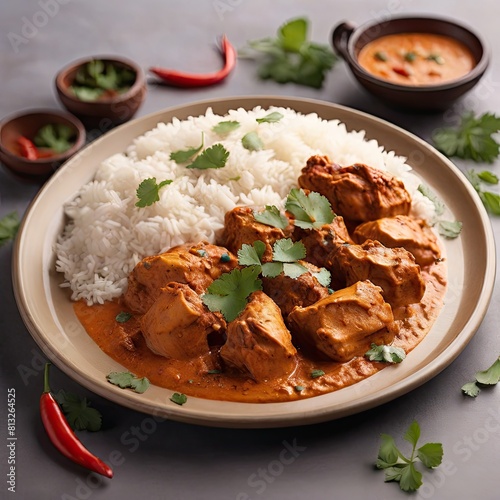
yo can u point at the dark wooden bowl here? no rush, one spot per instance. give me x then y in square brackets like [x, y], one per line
[27, 124]
[105, 112]
[348, 40]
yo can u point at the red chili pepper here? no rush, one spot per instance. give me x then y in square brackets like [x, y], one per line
[63, 437]
[401, 71]
[28, 149]
[181, 79]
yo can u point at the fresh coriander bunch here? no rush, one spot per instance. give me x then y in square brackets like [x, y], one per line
[290, 57]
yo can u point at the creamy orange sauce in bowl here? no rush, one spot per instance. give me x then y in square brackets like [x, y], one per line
[416, 58]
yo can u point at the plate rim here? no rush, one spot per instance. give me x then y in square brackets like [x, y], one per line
[203, 417]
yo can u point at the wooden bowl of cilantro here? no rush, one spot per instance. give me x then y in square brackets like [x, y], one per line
[33, 144]
[102, 91]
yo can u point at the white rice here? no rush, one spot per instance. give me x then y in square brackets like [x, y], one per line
[108, 235]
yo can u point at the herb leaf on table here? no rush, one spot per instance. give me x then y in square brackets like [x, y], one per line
[402, 469]
[9, 225]
[472, 139]
[484, 378]
[290, 57]
[79, 414]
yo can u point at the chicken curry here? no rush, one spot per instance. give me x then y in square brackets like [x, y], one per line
[416, 58]
[295, 335]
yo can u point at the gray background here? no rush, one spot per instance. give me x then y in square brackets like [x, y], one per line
[169, 460]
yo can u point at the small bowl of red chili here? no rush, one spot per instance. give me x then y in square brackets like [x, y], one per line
[419, 63]
[102, 91]
[33, 144]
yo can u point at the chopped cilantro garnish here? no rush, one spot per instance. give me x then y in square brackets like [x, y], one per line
[127, 380]
[386, 353]
[271, 216]
[252, 142]
[123, 317]
[9, 224]
[299, 388]
[449, 229]
[178, 398]
[148, 191]
[317, 373]
[229, 293]
[79, 414]
[439, 206]
[273, 117]
[223, 128]
[436, 58]
[410, 56]
[213, 157]
[184, 155]
[251, 255]
[488, 377]
[401, 469]
[381, 56]
[311, 211]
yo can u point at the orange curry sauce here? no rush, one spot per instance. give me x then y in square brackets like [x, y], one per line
[200, 377]
[416, 58]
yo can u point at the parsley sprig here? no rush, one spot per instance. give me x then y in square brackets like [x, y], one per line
[488, 377]
[9, 224]
[472, 139]
[290, 57]
[402, 469]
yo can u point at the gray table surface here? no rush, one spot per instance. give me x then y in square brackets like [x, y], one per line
[169, 460]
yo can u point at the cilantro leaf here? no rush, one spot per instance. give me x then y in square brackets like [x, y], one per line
[311, 211]
[290, 57]
[9, 225]
[323, 276]
[78, 412]
[56, 136]
[123, 317]
[251, 255]
[471, 139]
[386, 353]
[449, 229]
[286, 250]
[317, 373]
[294, 269]
[439, 206]
[252, 142]
[272, 269]
[213, 157]
[184, 155]
[271, 216]
[224, 127]
[127, 380]
[178, 398]
[273, 117]
[229, 293]
[148, 191]
[430, 454]
[401, 469]
[490, 200]
[491, 376]
[471, 389]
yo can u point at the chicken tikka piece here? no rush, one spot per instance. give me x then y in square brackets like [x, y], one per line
[195, 265]
[394, 270]
[258, 342]
[357, 192]
[185, 334]
[402, 231]
[344, 324]
[240, 227]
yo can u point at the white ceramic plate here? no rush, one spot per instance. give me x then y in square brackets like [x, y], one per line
[48, 313]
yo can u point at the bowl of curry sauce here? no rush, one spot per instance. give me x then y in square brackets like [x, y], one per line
[419, 63]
